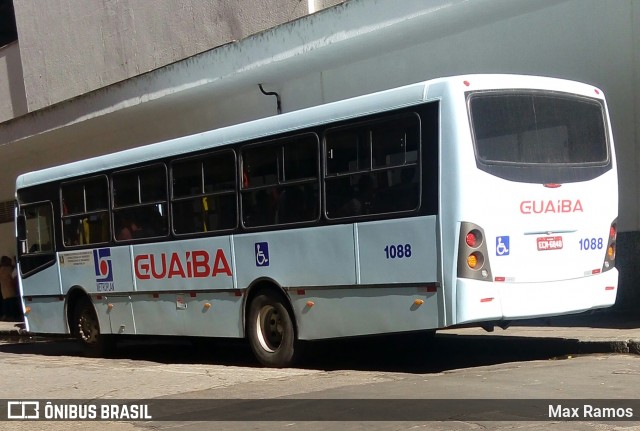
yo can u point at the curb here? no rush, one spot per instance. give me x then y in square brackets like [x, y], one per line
[17, 331]
[634, 346]
[616, 346]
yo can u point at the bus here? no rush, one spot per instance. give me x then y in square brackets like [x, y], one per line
[476, 199]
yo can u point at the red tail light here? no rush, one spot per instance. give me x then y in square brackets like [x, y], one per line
[474, 238]
[610, 255]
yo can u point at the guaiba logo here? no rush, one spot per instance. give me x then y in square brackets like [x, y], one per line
[103, 269]
[550, 206]
[191, 264]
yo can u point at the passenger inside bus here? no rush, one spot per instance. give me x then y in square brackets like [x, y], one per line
[129, 229]
[361, 202]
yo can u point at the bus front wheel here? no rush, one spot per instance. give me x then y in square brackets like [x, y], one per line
[271, 331]
[87, 329]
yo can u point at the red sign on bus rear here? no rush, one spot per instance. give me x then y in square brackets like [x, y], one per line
[549, 243]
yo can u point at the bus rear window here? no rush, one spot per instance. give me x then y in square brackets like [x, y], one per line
[532, 128]
[550, 132]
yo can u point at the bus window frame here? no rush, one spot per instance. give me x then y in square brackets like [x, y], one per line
[235, 192]
[418, 164]
[37, 254]
[115, 209]
[107, 210]
[280, 143]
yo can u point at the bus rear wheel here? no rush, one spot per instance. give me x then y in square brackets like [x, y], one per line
[271, 331]
[87, 330]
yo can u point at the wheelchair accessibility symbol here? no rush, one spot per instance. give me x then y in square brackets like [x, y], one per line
[502, 246]
[262, 254]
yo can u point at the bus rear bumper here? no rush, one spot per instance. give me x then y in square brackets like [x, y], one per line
[479, 301]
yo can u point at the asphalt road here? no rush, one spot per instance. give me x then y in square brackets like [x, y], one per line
[387, 370]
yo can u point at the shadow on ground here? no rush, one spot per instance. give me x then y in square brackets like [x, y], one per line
[591, 319]
[415, 353]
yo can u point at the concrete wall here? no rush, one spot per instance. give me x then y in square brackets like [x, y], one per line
[13, 100]
[90, 44]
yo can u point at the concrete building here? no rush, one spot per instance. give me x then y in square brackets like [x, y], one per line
[88, 77]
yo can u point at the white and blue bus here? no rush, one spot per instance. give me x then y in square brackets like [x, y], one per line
[468, 199]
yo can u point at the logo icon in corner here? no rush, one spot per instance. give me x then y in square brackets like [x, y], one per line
[103, 266]
[104, 270]
[23, 410]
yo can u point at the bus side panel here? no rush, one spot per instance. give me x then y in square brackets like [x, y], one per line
[41, 293]
[323, 256]
[44, 282]
[398, 251]
[207, 314]
[47, 315]
[120, 313]
[346, 312]
[410, 257]
[103, 270]
[169, 278]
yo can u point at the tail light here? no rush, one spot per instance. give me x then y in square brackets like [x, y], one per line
[610, 256]
[474, 238]
[475, 260]
[472, 260]
[472, 252]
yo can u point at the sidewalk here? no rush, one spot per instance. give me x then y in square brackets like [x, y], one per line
[11, 329]
[599, 331]
[596, 331]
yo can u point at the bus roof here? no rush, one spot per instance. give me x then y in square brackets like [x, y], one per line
[335, 111]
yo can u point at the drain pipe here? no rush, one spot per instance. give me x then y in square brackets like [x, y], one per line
[272, 93]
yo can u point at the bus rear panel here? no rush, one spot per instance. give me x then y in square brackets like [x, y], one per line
[538, 227]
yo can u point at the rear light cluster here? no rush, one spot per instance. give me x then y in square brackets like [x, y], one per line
[471, 253]
[610, 257]
[474, 239]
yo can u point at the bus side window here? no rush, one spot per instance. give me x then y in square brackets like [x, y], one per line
[37, 249]
[203, 193]
[377, 164]
[281, 181]
[85, 209]
[140, 202]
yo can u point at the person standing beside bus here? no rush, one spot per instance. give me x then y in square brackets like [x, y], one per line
[9, 290]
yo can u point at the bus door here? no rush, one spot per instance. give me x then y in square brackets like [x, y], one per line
[38, 269]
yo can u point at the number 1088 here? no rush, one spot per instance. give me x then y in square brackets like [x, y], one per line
[399, 251]
[591, 244]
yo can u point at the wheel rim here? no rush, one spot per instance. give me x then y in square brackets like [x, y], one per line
[88, 328]
[270, 328]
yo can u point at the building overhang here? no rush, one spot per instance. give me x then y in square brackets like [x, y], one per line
[168, 96]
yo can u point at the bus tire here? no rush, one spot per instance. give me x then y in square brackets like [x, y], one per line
[87, 330]
[271, 331]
